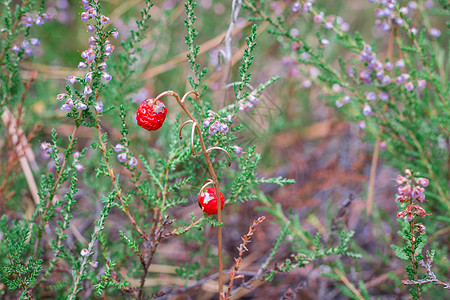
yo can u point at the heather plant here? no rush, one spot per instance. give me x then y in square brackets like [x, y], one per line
[115, 181]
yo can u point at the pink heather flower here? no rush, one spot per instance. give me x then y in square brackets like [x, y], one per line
[206, 122]
[400, 179]
[404, 10]
[414, 30]
[29, 51]
[345, 27]
[65, 107]
[27, 21]
[408, 172]
[409, 86]
[92, 12]
[104, 20]
[254, 100]
[307, 6]
[115, 34]
[388, 66]
[90, 28]
[417, 191]
[399, 21]
[109, 48]
[421, 84]
[92, 40]
[84, 252]
[60, 97]
[328, 25]
[119, 147]
[435, 32]
[318, 18]
[400, 199]
[88, 76]
[339, 104]
[79, 167]
[346, 99]
[409, 216]
[367, 110]
[371, 96]
[400, 64]
[99, 106]
[401, 215]
[81, 65]
[412, 5]
[307, 84]
[423, 182]
[383, 96]
[47, 17]
[72, 79]
[429, 4]
[238, 150]
[361, 125]
[15, 48]
[380, 75]
[420, 228]
[294, 32]
[223, 128]
[420, 211]
[80, 105]
[350, 71]
[39, 21]
[383, 145]
[133, 162]
[87, 90]
[84, 16]
[386, 80]
[106, 76]
[213, 128]
[122, 157]
[76, 154]
[102, 66]
[45, 146]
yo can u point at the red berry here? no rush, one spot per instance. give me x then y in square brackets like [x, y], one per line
[207, 201]
[151, 114]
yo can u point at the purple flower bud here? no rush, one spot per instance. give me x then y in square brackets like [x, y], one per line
[115, 34]
[423, 182]
[15, 48]
[87, 90]
[412, 5]
[339, 104]
[72, 79]
[206, 122]
[119, 147]
[133, 162]
[318, 18]
[29, 51]
[296, 7]
[421, 84]
[237, 150]
[383, 145]
[25, 44]
[84, 16]
[82, 65]
[324, 42]
[90, 28]
[106, 76]
[380, 75]
[345, 27]
[386, 80]
[399, 21]
[307, 84]
[367, 110]
[76, 154]
[92, 41]
[414, 30]
[429, 4]
[371, 96]
[34, 42]
[88, 76]
[350, 71]
[361, 125]
[435, 32]
[307, 6]
[79, 167]
[122, 157]
[65, 107]
[305, 55]
[253, 100]
[27, 21]
[404, 10]
[99, 106]
[346, 99]
[60, 97]
[45, 146]
[104, 20]
[39, 21]
[328, 25]
[383, 96]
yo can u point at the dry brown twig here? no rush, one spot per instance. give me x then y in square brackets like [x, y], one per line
[242, 248]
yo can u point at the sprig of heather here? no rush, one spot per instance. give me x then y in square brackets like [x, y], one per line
[411, 197]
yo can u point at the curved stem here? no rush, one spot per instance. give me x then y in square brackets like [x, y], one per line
[181, 128]
[220, 148]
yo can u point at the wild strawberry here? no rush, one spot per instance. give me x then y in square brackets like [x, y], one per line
[207, 200]
[151, 114]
